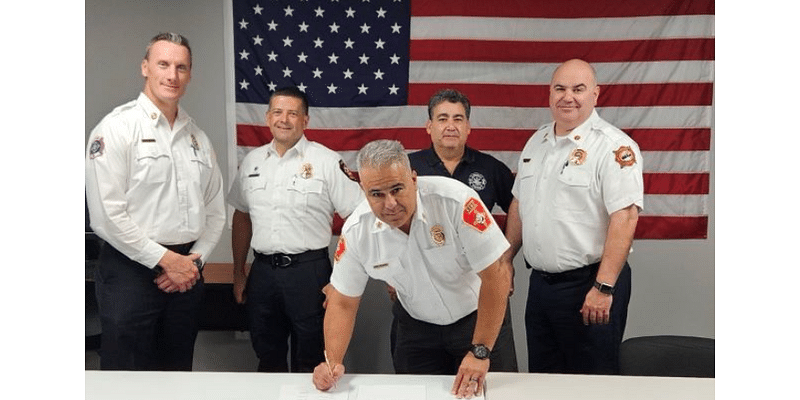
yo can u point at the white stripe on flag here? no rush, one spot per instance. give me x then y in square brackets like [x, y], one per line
[556, 29]
[540, 73]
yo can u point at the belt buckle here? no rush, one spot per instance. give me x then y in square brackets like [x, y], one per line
[281, 260]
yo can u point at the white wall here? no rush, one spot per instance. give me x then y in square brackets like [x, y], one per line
[673, 281]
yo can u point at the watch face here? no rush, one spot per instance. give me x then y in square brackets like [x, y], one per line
[480, 352]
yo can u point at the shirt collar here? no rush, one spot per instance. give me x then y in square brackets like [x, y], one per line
[577, 135]
[299, 147]
[154, 114]
[433, 159]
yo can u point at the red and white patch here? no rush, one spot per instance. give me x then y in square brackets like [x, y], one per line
[341, 247]
[624, 156]
[475, 215]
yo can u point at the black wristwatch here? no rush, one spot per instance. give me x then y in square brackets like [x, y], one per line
[480, 351]
[199, 264]
[604, 287]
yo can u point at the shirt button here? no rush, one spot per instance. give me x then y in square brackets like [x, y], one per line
[153, 116]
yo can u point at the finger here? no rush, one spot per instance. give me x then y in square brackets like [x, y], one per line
[468, 389]
[456, 384]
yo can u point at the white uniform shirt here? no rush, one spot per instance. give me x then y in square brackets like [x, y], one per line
[291, 199]
[434, 268]
[568, 188]
[147, 183]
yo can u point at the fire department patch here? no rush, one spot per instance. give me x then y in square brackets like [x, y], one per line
[341, 247]
[624, 156]
[97, 148]
[437, 234]
[350, 174]
[475, 215]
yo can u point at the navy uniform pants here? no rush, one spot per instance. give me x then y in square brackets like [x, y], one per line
[143, 328]
[558, 341]
[430, 349]
[284, 303]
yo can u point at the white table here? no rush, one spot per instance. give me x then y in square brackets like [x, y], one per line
[506, 386]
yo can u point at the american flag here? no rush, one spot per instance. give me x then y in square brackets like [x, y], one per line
[369, 67]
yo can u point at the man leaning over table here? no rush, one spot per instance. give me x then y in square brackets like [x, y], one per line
[433, 240]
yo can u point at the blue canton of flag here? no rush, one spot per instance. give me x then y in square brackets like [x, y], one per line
[341, 54]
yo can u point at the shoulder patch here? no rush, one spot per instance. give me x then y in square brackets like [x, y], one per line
[341, 247]
[97, 148]
[350, 174]
[624, 156]
[475, 215]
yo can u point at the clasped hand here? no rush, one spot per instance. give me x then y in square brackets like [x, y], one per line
[179, 272]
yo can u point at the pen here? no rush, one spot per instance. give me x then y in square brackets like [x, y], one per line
[325, 353]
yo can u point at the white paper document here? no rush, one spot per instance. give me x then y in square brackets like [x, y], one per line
[308, 392]
[368, 392]
[391, 392]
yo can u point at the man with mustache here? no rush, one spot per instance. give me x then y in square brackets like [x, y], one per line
[285, 196]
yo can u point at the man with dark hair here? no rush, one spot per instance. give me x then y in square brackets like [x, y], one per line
[285, 196]
[155, 196]
[449, 127]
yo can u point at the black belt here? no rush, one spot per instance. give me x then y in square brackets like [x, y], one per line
[182, 249]
[580, 274]
[280, 260]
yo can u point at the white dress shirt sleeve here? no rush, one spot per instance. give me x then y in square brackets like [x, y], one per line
[106, 175]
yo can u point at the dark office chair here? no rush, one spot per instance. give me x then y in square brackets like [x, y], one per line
[681, 356]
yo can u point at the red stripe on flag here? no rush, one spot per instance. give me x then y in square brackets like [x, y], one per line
[658, 227]
[676, 183]
[559, 9]
[678, 139]
[486, 139]
[556, 52]
[622, 95]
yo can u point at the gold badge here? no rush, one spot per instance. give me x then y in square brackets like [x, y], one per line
[624, 156]
[307, 171]
[577, 157]
[437, 234]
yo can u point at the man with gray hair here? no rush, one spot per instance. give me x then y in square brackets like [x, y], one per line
[154, 193]
[435, 242]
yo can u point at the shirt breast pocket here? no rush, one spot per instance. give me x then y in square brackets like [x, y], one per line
[254, 182]
[389, 271]
[447, 265]
[202, 164]
[153, 164]
[527, 175]
[573, 190]
[305, 191]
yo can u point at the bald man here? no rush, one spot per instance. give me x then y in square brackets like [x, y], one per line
[577, 197]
